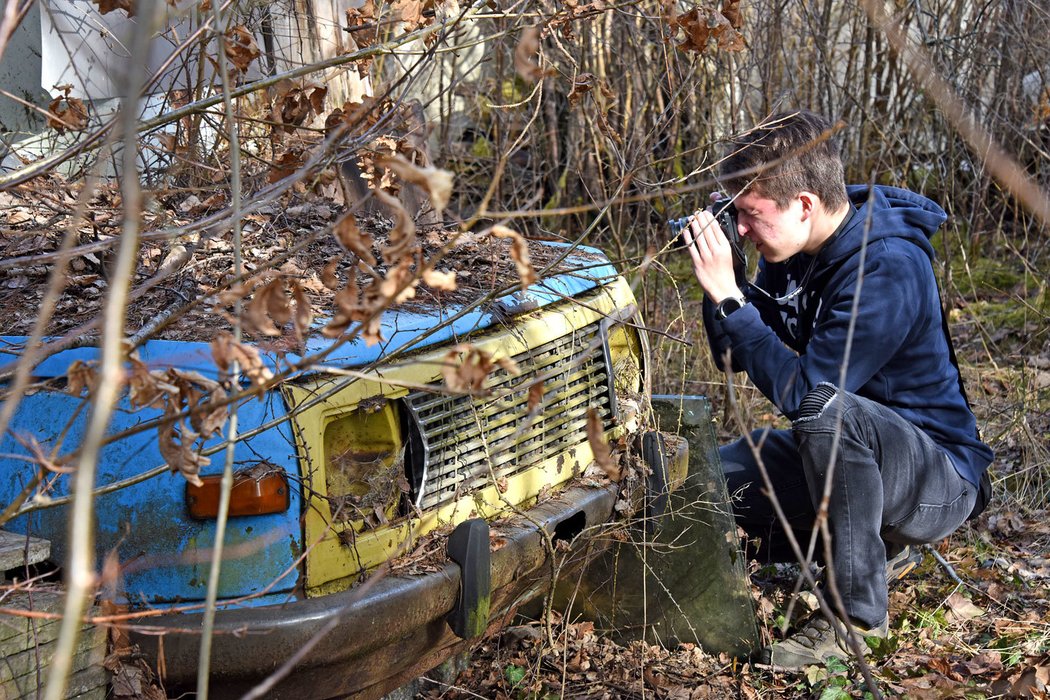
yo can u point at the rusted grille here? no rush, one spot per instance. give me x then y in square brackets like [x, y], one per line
[463, 436]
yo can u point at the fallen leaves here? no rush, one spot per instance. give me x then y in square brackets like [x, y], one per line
[961, 608]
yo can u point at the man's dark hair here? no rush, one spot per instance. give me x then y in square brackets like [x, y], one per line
[787, 153]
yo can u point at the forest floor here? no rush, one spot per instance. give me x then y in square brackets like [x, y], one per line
[972, 621]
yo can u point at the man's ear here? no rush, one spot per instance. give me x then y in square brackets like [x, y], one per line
[810, 202]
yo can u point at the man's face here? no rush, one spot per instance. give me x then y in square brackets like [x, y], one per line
[777, 234]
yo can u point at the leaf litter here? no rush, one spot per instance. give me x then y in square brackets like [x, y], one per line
[332, 266]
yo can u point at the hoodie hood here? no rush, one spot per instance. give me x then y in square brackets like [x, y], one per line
[886, 212]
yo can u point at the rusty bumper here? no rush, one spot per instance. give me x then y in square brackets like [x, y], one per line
[371, 639]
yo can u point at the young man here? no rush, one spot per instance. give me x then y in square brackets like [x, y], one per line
[843, 331]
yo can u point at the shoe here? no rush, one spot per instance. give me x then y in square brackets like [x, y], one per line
[816, 642]
[903, 563]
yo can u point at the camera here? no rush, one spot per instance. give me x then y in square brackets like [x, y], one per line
[725, 214]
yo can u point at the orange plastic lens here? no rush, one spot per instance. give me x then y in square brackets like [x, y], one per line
[250, 495]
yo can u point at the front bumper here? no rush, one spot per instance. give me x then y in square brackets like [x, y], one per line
[371, 639]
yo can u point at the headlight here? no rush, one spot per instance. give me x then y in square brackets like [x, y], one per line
[364, 465]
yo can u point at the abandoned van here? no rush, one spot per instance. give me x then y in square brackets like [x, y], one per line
[391, 502]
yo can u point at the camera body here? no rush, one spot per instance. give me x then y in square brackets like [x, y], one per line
[725, 214]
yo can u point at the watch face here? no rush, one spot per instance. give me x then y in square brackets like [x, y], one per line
[728, 306]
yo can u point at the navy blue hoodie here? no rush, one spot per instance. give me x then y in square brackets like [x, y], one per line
[899, 355]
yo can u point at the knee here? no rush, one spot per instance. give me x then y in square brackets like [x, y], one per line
[815, 404]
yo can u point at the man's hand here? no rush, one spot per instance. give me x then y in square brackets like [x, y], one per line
[712, 257]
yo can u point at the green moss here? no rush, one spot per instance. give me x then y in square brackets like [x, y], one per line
[1009, 314]
[986, 275]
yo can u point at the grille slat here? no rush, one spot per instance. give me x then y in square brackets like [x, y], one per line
[503, 465]
[441, 429]
[469, 439]
[507, 442]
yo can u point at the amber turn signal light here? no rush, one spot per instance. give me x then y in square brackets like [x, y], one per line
[251, 495]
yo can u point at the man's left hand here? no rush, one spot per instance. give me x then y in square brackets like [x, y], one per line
[712, 257]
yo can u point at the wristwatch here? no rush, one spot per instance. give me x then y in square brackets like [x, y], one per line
[728, 306]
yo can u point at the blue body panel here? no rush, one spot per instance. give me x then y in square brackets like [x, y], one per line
[164, 554]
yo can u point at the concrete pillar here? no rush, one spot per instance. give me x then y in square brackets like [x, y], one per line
[686, 582]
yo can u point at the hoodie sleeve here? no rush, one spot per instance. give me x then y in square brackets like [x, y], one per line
[893, 300]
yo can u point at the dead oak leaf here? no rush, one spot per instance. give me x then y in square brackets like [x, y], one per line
[80, 375]
[437, 183]
[525, 55]
[353, 239]
[225, 352]
[519, 253]
[703, 23]
[67, 114]
[107, 6]
[412, 13]
[286, 164]
[178, 452]
[304, 312]
[442, 281]
[240, 47]
[961, 608]
[294, 104]
[146, 388]
[268, 302]
[465, 369]
[603, 456]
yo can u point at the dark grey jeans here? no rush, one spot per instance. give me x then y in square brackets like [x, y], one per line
[891, 485]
